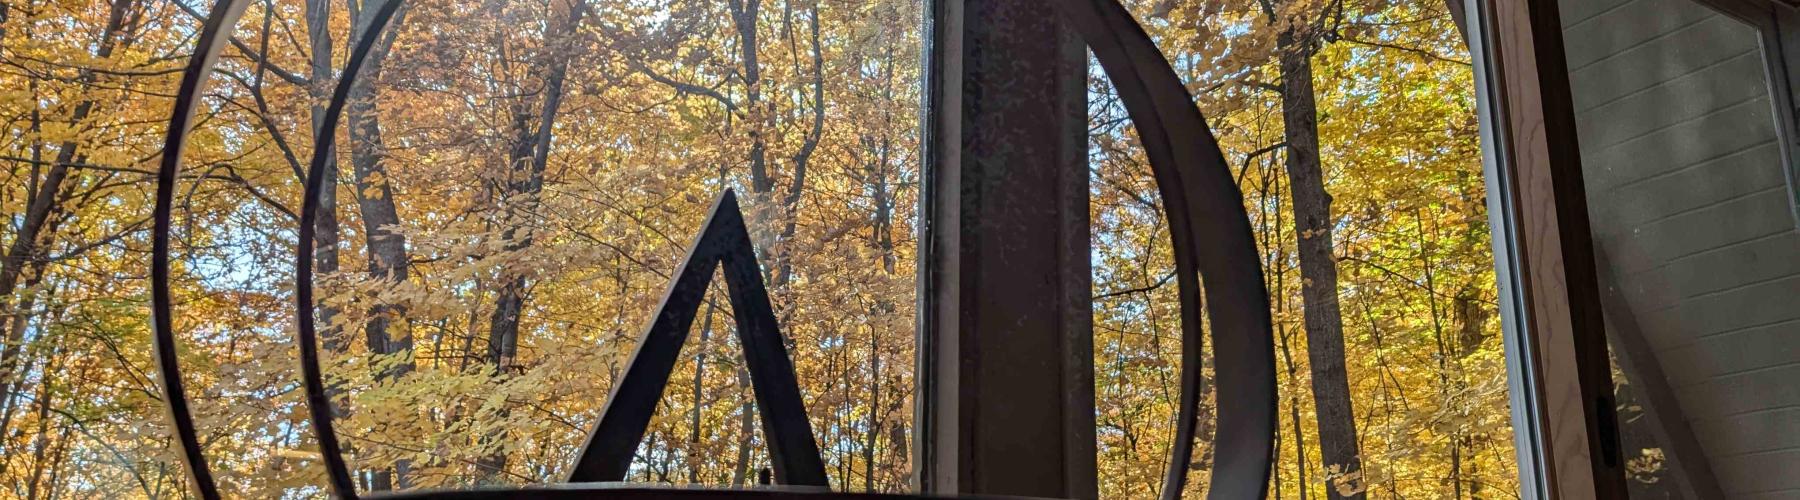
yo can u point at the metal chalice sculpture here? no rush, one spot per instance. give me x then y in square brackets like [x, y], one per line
[1208, 224]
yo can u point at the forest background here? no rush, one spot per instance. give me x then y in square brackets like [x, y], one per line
[517, 179]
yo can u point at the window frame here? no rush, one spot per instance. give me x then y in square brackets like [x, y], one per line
[1559, 373]
[1559, 370]
[1552, 315]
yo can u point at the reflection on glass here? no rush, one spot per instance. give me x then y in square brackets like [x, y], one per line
[1388, 98]
[1699, 257]
[514, 184]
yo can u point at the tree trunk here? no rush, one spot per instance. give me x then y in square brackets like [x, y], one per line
[56, 461]
[746, 427]
[319, 73]
[882, 238]
[528, 160]
[387, 257]
[699, 377]
[9, 385]
[791, 204]
[743, 17]
[45, 398]
[1287, 357]
[873, 435]
[1318, 268]
[46, 199]
[326, 227]
[530, 157]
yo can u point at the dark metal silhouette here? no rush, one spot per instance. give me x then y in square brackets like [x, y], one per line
[168, 370]
[1212, 239]
[723, 242]
[1209, 226]
[318, 401]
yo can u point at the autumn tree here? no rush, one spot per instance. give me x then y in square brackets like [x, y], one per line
[1384, 101]
[1300, 33]
[519, 179]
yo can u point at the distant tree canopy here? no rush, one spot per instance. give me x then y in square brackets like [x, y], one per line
[516, 180]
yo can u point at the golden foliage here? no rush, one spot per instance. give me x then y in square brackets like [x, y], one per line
[662, 111]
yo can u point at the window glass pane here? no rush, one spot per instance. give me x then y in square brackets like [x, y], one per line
[485, 288]
[1693, 224]
[1409, 318]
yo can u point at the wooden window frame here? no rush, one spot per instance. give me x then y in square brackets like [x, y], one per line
[1565, 426]
[1559, 369]
[1005, 396]
[1559, 373]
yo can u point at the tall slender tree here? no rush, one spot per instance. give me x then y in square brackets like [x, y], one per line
[27, 247]
[527, 162]
[1296, 44]
[387, 259]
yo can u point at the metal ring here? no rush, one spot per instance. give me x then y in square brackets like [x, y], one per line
[168, 367]
[317, 401]
[1212, 238]
[194, 78]
[1183, 153]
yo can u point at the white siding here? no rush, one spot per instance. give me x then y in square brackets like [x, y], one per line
[1689, 203]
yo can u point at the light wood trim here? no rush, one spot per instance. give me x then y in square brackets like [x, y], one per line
[1543, 245]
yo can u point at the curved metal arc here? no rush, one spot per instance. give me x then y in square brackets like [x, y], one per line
[168, 365]
[1212, 239]
[318, 402]
[1183, 154]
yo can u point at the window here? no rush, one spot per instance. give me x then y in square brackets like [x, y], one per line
[1412, 305]
[514, 184]
[519, 178]
[1685, 117]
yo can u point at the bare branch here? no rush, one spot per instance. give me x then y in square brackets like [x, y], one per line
[260, 58]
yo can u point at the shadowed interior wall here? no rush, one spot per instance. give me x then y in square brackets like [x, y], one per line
[1692, 214]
